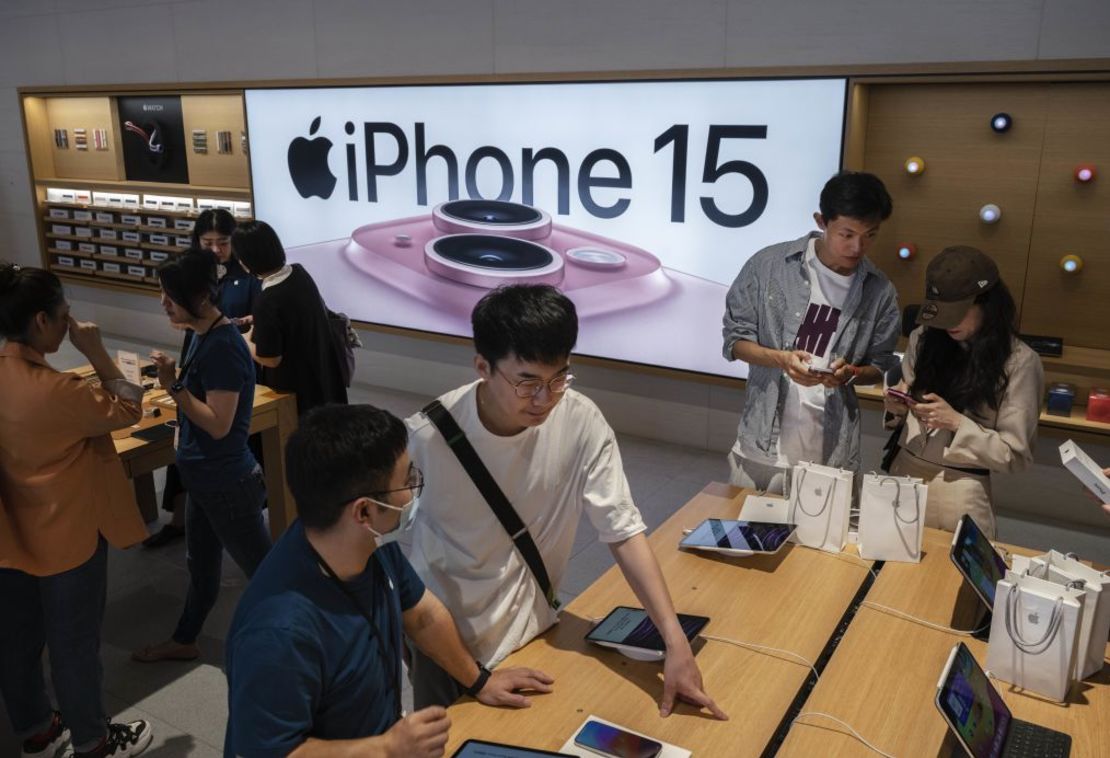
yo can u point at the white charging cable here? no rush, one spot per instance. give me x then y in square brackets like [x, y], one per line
[844, 724]
[764, 648]
[923, 622]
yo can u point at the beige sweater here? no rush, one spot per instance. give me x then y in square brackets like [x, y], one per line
[1000, 440]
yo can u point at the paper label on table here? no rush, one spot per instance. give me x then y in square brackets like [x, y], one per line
[129, 364]
[668, 751]
[773, 510]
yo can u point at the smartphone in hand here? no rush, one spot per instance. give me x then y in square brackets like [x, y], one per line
[900, 397]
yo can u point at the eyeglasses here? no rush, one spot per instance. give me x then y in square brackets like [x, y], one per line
[414, 484]
[528, 388]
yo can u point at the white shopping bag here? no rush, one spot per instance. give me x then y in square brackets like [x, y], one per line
[820, 504]
[1035, 634]
[891, 518]
[1066, 569]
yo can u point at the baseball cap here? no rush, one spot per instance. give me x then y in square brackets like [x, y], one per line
[953, 280]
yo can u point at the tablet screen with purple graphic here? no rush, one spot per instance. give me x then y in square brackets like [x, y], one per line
[633, 628]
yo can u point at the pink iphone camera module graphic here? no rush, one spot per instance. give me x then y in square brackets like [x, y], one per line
[452, 257]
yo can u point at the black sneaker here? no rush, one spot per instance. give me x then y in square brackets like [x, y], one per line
[122, 740]
[164, 536]
[54, 742]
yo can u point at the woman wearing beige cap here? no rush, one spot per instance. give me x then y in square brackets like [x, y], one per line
[975, 390]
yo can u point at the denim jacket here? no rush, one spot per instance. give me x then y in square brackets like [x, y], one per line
[766, 304]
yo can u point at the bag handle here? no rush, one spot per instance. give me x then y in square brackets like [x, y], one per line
[895, 502]
[798, 497]
[1013, 629]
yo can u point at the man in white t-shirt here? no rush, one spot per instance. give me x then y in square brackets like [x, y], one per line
[552, 454]
[811, 317]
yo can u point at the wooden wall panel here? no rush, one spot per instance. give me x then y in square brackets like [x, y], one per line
[967, 166]
[1072, 218]
[214, 113]
[86, 113]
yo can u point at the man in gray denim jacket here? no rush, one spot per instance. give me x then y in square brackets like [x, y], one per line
[811, 317]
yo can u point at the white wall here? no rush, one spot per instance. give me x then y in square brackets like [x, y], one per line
[55, 42]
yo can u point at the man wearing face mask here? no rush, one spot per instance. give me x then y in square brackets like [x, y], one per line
[314, 652]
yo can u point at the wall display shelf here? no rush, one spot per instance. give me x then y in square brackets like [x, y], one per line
[96, 225]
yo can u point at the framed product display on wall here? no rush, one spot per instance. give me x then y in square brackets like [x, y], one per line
[153, 139]
[641, 200]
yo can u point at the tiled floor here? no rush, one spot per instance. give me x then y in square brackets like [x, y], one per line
[186, 702]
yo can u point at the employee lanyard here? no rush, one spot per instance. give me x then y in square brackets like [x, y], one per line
[194, 348]
[395, 680]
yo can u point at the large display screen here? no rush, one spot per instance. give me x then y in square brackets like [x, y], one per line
[641, 200]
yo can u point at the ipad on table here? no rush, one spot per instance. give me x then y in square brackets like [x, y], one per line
[731, 537]
[484, 749]
[631, 631]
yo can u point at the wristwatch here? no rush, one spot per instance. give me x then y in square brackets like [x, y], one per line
[480, 682]
[176, 387]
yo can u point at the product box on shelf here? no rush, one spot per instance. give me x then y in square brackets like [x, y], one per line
[59, 213]
[63, 229]
[184, 224]
[157, 256]
[133, 254]
[63, 245]
[86, 247]
[159, 239]
[105, 218]
[109, 250]
[65, 260]
[182, 241]
[111, 268]
[126, 218]
[156, 222]
[82, 231]
[82, 215]
[136, 270]
[88, 265]
[107, 234]
[1098, 405]
[132, 237]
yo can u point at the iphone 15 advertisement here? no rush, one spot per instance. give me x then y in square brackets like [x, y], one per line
[641, 200]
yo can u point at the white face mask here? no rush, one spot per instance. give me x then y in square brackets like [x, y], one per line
[404, 522]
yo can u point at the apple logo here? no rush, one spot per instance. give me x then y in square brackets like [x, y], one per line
[1034, 618]
[308, 165]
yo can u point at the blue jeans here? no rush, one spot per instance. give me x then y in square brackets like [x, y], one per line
[230, 518]
[63, 612]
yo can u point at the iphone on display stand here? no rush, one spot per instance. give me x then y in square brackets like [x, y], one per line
[608, 740]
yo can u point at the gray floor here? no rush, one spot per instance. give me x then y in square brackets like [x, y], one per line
[186, 702]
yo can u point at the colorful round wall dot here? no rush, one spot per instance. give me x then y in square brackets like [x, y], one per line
[1071, 263]
[907, 250]
[990, 213]
[1001, 122]
[1084, 173]
[915, 164]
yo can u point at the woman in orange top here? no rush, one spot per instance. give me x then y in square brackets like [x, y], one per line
[63, 496]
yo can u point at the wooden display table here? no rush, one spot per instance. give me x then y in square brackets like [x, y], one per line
[793, 601]
[882, 678]
[274, 415]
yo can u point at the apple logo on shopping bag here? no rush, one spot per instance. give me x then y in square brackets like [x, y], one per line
[308, 164]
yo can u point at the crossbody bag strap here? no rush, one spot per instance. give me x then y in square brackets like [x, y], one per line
[498, 503]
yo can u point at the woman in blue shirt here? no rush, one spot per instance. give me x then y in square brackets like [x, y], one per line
[214, 392]
[236, 292]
